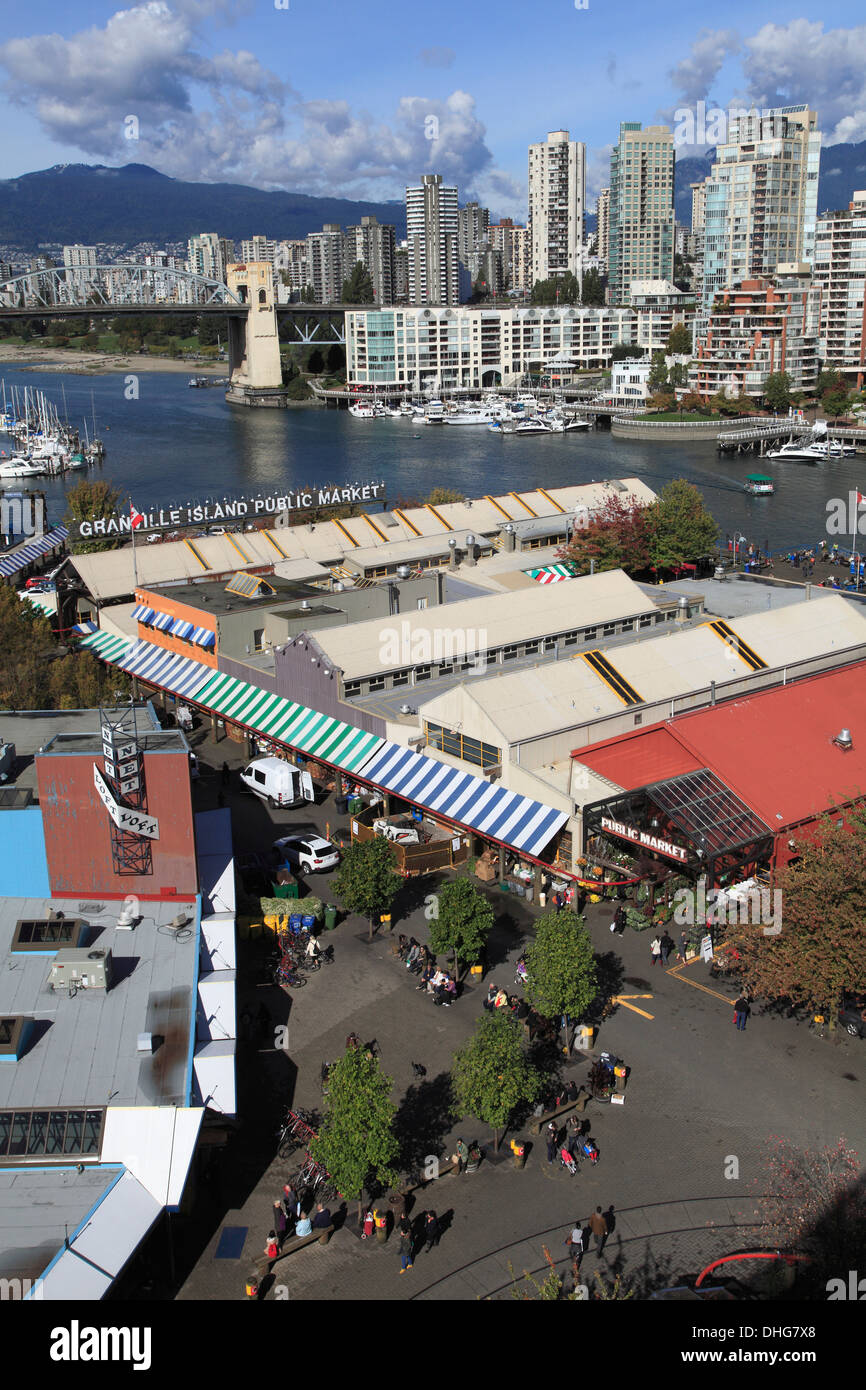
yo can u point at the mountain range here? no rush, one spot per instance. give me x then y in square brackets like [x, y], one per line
[92, 203]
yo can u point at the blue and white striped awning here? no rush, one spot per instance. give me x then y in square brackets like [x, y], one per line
[11, 564]
[142, 614]
[203, 637]
[471, 801]
[179, 674]
[161, 621]
[180, 628]
[85, 628]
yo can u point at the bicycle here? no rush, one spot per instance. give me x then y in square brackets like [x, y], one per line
[288, 974]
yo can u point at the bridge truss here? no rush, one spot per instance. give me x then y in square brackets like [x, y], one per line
[114, 288]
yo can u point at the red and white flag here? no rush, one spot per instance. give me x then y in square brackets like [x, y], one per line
[135, 517]
[860, 499]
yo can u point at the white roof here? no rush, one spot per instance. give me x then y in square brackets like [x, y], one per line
[485, 623]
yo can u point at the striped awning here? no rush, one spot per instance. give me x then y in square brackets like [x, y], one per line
[46, 602]
[107, 645]
[142, 614]
[551, 574]
[314, 734]
[161, 621]
[11, 564]
[471, 801]
[203, 637]
[178, 674]
[84, 628]
[180, 628]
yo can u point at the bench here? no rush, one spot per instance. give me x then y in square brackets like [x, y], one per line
[290, 1247]
[579, 1105]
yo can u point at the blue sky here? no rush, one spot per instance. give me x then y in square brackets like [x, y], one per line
[328, 96]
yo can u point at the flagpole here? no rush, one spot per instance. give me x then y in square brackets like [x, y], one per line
[134, 556]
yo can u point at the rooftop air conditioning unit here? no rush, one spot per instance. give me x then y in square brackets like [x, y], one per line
[81, 968]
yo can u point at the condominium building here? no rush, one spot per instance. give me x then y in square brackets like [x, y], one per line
[401, 274]
[761, 197]
[325, 263]
[641, 239]
[485, 269]
[431, 228]
[602, 226]
[208, 254]
[258, 248]
[557, 193]
[840, 270]
[473, 230]
[501, 236]
[659, 308]
[521, 259]
[415, 348]
[758, 327]
[373, 243]
[290, 265]
[80, 263]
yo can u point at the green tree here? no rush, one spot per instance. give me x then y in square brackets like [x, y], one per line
[658, 372]
[211, 329]
[439, 495]
[315, 362]
[835, 403]
[298, 390]
[356, 1140]
[492, 1076]
[821, 948]
[36, 673]
[777, 391]
[679, 340]
[560, 966]
[366, 882]
[336, 360]
[559, 289]
[462, 924]
[308, 294]
[358, 288]
[593, 289]
[91, 500]
[623, 351]
[681, 528]
[678, 374]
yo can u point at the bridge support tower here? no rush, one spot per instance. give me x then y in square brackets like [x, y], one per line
[255, 372]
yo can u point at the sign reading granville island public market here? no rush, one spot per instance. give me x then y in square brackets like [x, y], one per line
[231, 509]
[643, 837]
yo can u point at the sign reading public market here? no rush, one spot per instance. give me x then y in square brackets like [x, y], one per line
[230, 509]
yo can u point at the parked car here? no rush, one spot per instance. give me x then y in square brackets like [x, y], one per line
[852, 1014]
[309, 853]
[39, 584]
[400, 832]
[154, 539]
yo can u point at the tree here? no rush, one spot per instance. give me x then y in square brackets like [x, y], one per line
[463, 922]
[491, 1075]
[678, 374]
[439, 495]
[681, 528]
[336, 360]
[679, 341]
[366, 882]
[623, 351]
[560, 967]
[91, 500]
[36, 674]
[814, 1203]
[777, 391]
[316, 362]
[617, 537]
[356, 1140]
[358, 288]
[835, 403]
[212, 328]
[593, 289]
[559, 289]
[658, 372]
[308, 294]
[821, 948]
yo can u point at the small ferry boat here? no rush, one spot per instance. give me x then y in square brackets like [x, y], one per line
[759, 485]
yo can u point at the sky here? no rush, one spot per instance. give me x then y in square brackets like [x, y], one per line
[358, 99]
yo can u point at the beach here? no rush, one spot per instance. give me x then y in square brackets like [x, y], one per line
[86, 363]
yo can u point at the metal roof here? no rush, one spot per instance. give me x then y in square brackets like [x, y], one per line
[39, 1207]
[707, 812]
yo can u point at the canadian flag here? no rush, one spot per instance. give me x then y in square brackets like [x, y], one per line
[860, 498]
[135, 517]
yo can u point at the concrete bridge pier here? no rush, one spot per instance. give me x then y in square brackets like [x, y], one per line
[255, 372]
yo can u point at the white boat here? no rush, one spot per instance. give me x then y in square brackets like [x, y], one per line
[434, 413]
[833, 449]
[362, 410]
[534, 425]
[759, 485]
[20, 468]
[472, 415]
[798, 452]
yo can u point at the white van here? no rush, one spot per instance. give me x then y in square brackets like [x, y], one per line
[278, 782]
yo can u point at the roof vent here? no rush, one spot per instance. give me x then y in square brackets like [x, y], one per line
[403, 571]
[305, 606]
[844, 740]
[406, 709]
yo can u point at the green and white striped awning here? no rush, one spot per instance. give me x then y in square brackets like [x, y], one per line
[314, 734]
[551, 574]
[107, 645]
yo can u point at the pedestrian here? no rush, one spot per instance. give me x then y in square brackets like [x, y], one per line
[742, 1010]
[551, 1141]
[280, 1222]
[225, 775]
[620, 919]
[405, 1246]
[272, 1248]
[574, 1242]
[431, 1231]
[598, 1226]
[656, 950]
[368, 1224]
[667, 945]
[462, 1155]
[291, 1202]
[681, 953]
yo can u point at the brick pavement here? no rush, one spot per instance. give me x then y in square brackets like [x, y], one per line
[699, 1094]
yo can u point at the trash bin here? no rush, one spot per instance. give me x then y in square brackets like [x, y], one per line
[356, 806]
[295, 923]
[519, 1151]
[330, 917]
[308, 921]
[341, 804]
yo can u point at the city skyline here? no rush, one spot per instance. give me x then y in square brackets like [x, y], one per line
[203, 90]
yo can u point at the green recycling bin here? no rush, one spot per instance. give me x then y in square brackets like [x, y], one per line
[330, 917]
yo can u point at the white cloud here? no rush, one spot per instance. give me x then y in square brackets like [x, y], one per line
[694, 76]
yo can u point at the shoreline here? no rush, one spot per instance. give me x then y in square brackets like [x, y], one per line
[101, 363]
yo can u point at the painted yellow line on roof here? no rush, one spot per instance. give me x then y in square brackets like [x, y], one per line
[493, 502]
[277, 547]
[341, 528]
[552, 500]
[607, 672]
[732, 639]
[239, 548]
[523, 504]
[406, 522]
[371, 523]
[438, 516]
[202, 562]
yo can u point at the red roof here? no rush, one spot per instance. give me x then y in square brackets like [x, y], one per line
[775, 749]
[634, 760]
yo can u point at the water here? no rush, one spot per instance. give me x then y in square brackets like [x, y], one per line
[174, 444]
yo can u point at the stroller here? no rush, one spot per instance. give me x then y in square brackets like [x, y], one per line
[588, 1148]
[567, 1161]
